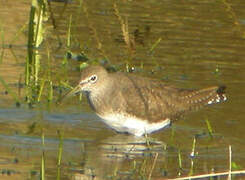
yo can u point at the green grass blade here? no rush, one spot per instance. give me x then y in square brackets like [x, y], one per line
[2, 51]
[59, 155]
[43, 159]
[210, 130]
[5, 85]
[43, 167]
[50, 93]
[17, 34]
[41, 90]
[180, 159]
[155, 44]
[68, 44]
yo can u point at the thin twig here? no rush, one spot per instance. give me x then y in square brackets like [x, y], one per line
[154, 163]
[229, 176]
[211, 175]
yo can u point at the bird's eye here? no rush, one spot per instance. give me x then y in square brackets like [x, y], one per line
[93, 78]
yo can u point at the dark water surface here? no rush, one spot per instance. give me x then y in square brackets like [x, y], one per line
[201, 43]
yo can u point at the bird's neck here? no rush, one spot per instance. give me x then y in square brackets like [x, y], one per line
[100, 97]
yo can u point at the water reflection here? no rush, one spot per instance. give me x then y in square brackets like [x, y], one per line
[129, 147]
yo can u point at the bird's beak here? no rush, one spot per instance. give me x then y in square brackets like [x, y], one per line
[74, 91]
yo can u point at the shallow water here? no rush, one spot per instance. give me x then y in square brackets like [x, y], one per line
[202, 44]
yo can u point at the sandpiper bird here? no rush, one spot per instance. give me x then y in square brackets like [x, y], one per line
[139, 105]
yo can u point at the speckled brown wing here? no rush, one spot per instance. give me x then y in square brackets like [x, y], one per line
[154, 100]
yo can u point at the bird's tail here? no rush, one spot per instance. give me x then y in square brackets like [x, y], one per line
[197, 98]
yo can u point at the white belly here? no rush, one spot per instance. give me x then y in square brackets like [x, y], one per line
[132, 125]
